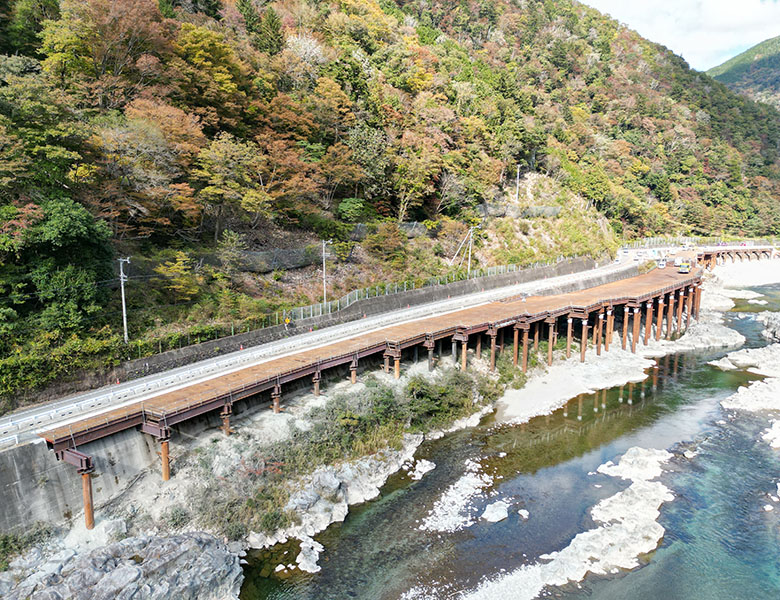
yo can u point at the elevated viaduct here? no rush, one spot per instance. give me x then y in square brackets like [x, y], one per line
[657, 304]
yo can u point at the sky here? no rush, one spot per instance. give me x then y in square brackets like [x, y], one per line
[705, 33]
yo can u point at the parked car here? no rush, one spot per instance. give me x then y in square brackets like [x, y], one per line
[661, 263]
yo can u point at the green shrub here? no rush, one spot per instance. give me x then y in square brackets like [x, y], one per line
[12, 544]
[273, 520]
[351, 209]
[176, 517]
[508, 373]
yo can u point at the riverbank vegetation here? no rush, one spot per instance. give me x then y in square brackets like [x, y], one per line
[252, 497]
[192, 135]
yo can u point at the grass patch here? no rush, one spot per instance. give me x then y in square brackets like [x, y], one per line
[12, 544]
[253, 497]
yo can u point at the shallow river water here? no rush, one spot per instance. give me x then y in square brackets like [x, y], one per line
[719, 543]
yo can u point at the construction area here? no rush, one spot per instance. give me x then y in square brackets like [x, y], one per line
[622, 312]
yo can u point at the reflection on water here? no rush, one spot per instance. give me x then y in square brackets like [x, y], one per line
[379, 553]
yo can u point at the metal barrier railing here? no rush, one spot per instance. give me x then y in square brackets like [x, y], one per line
[696, 241]
[320, 308]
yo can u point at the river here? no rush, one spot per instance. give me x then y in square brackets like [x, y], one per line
[719, 541]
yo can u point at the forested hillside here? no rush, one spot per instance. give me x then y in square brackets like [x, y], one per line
[187, 132]
[755, 72]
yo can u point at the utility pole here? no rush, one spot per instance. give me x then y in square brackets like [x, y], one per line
[324, 285]
[471, 238]
[122, 279]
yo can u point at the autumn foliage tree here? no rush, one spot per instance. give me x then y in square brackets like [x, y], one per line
[104, 50]
[151, 127]
[230, 172]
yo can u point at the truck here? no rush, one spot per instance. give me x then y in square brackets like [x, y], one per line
[685, 266]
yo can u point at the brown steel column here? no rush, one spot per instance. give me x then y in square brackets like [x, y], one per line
[550, 342]
[479, 345]
[86, 492]
[166, 462]
[464, 352]
[670, 316]
[635, 330]
[525, 350]
[536, 336]
[698, 301]
[610, 323]
[599, 327]
[626, 317]
[225, 414]
[430, 359]
[387, 363]
[500, 340]
[680, 302]
[492, 350]
[353, 375]
[584, 343]
[515, 346]
[276, 394]
[648, 320]
[688, 304]
[316, 381]
[397, 367]
[568, 336]
[660, 318]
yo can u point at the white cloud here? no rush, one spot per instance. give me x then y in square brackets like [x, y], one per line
[703, 33]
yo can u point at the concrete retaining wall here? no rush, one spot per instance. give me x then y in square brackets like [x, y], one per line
[34, 486]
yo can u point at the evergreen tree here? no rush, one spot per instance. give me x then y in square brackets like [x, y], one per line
[209, 7]
[168, 8]
[26, 21]
[5, 15]
[251, 16]
[270, 37]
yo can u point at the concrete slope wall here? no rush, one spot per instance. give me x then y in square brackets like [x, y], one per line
[34, 486]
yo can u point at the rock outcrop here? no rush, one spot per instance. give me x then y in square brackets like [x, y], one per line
[191, 566]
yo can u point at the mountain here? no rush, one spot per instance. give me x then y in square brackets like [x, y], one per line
[755, 72]
[189, 134]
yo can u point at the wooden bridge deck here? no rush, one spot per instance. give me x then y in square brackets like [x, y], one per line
[172, 407]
